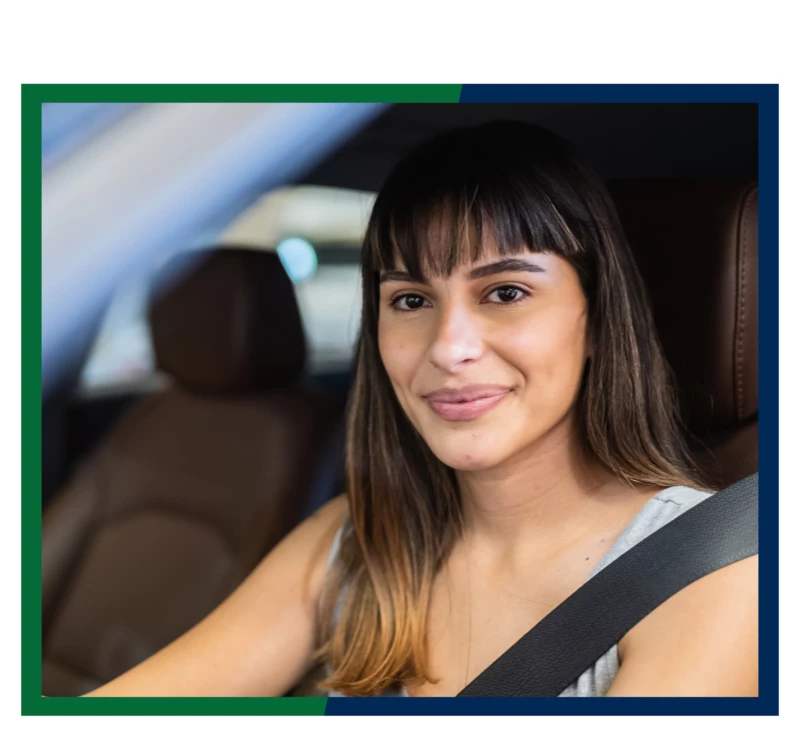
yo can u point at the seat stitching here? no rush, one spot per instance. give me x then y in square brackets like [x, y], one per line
[741, 309]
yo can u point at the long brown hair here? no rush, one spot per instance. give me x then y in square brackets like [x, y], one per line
[529, 189]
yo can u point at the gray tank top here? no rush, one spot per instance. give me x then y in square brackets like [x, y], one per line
[661, 509]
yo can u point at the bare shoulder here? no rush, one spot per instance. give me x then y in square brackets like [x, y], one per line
[260, 640]
[298, 563]
[306, 550]
[703, 641]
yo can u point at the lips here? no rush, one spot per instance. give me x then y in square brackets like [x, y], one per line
[467, 403]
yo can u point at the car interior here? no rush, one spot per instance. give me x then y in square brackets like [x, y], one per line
[166, 479]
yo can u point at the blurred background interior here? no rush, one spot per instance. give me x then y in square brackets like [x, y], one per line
[201, 305]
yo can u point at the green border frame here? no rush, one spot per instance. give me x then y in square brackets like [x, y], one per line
[33, 96]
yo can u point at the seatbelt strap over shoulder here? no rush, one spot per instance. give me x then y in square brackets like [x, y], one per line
[720, 530]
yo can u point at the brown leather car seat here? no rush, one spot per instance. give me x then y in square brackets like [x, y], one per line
[194, 484]
[696, 243]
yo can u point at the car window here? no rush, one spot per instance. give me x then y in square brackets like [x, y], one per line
[122, 353]
[317, 233]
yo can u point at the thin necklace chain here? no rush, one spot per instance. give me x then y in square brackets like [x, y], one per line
[500, 589]
[469, 619]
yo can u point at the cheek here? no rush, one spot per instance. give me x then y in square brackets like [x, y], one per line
[549, 351]
[400, 351]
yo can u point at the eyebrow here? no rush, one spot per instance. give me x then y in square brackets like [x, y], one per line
[507, 264]
[480, 272]
[400, 276]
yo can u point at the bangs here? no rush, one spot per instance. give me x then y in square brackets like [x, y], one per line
[452, 205]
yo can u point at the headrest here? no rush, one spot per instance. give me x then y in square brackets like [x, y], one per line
[696, 243]
[227, 321]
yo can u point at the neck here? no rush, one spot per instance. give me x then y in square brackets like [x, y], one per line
[540, 497]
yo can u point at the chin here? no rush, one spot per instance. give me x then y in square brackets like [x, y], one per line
[475, 457]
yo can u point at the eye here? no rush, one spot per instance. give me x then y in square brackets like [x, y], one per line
[408, 303]
[507, 294]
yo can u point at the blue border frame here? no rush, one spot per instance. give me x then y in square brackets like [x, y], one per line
[766, 97]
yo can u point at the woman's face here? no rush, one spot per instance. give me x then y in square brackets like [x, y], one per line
[485, 362]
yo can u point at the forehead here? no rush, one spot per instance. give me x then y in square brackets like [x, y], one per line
[444, 263]
[547, 265]
[445, 248]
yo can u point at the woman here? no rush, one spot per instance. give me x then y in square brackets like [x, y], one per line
[511, 430]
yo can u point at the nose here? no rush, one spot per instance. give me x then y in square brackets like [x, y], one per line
[458, 340]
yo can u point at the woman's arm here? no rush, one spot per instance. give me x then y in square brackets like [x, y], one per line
[703, 641]
[259, 641]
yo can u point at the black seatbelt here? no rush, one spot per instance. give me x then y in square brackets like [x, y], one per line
[716, 532]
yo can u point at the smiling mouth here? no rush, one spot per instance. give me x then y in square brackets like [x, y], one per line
[457, 410]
